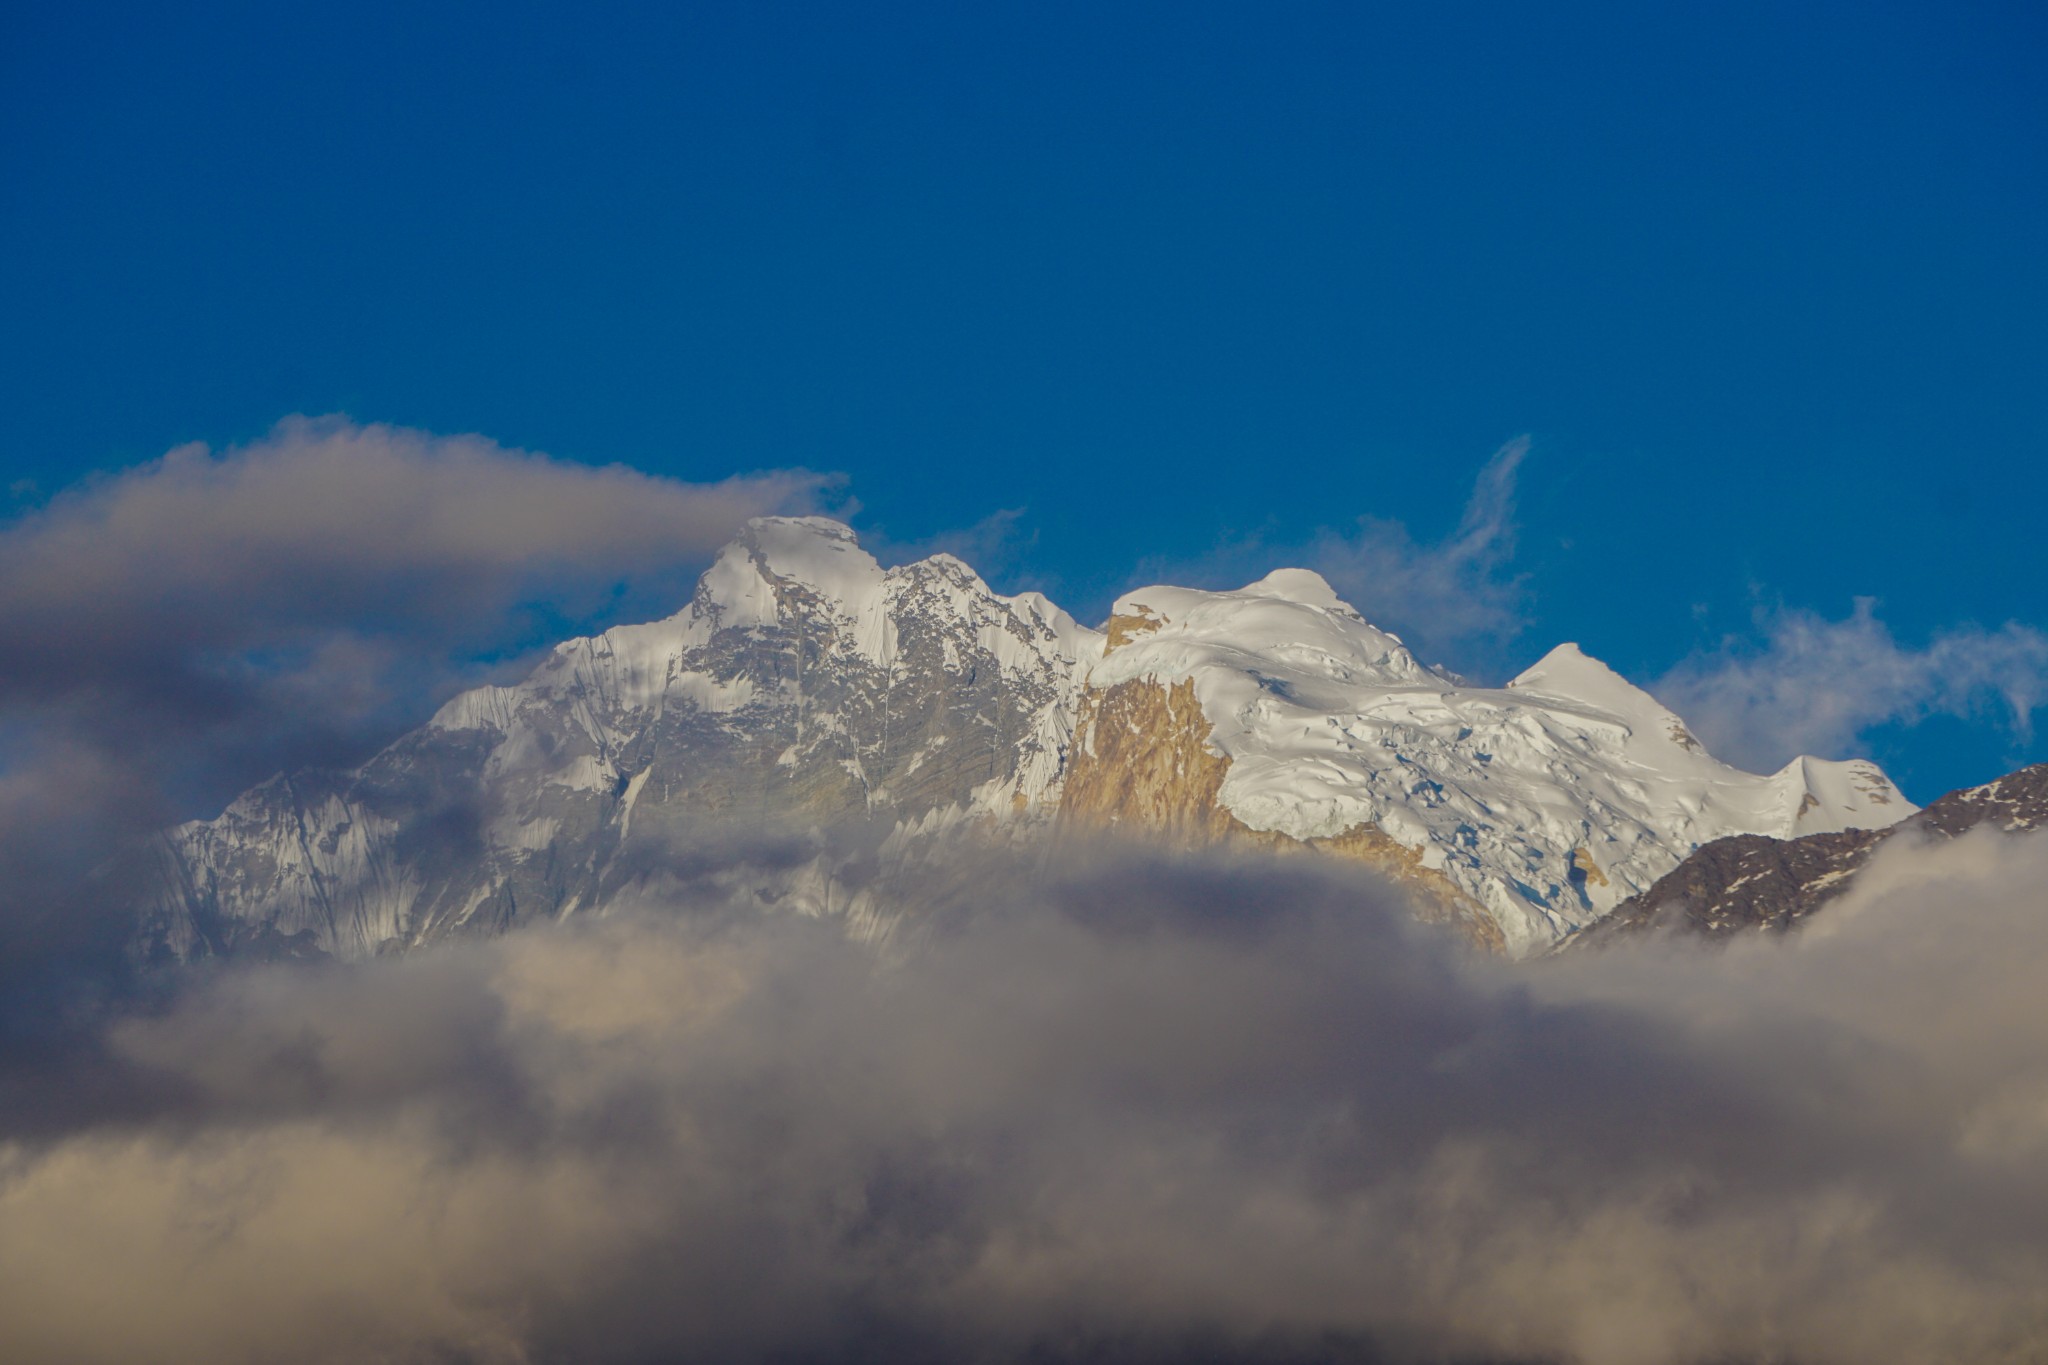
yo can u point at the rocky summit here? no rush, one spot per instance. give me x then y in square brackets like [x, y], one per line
[805, 686]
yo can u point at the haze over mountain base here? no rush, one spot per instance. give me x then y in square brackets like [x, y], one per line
[860, 965]
[1125, 1106]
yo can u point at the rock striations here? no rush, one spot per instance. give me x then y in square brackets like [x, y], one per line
[806, 685]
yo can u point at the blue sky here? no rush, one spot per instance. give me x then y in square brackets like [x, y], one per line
[1762, 285]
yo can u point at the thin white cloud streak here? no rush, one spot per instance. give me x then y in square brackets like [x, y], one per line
[1817, 685]
[1455, 594]
[1456, 598]
[993, 547]
[1114, 1111]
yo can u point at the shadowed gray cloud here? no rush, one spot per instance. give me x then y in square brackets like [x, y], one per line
[326, 535]
[1114, 1108]
[1100, 1105]
[173, 633]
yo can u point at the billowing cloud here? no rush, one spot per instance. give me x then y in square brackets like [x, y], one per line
[1103, 1106]
[147, 585]
[175, 632]
[1113, 1108]
[1816, 684]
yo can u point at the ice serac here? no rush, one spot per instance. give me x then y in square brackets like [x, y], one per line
[803, 682]
[1539, 805]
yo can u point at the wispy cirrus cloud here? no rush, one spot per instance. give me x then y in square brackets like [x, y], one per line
[1452, 599]
[1442, 596]
[1815, 685]
[994, 546]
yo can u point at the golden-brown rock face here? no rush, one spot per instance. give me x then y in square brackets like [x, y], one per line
[1142, 765]
[1122, 629]
[1582, 859]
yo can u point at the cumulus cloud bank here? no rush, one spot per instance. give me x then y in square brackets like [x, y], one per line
[1114, 1109]
[1816, 685]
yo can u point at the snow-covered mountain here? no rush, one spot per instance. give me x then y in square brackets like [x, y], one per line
[805, 683]
[1544, 802]
[802, 684]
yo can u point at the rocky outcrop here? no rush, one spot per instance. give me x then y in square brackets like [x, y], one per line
[1142, 766]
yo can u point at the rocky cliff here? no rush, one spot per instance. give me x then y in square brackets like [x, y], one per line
[1144, 765]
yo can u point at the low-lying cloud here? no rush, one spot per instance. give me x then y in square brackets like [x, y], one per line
[1116, 1108]
[1097, 1106]
[1816, 685]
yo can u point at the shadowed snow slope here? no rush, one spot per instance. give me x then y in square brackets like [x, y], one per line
[805, 683]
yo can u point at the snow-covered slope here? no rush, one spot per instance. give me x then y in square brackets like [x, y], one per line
[1745, 884]
[805, 684]
[1547, 801]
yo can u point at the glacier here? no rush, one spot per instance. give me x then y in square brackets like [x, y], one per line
[1548, 801]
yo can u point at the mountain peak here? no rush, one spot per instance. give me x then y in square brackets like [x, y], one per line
[1569, 671]
[829, 528]
[1570, 674]
[797, 547]
[817, 553]
[804, 680]
[1835, 795]
[1305, 586]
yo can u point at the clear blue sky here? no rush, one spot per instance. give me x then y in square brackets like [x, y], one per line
[1766, 285]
